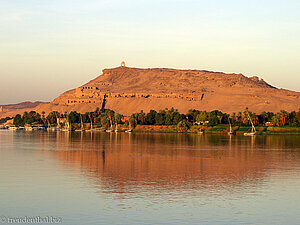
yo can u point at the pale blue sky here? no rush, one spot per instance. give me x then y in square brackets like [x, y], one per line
[49, 46]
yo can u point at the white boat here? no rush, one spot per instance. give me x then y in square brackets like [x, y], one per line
[58, 127]
[42, 128]
[49, 125]
[28, 128]
[68, 126]
[111, 128]
[231, 131]
[82, 127]
[13, 128]
[201, 131]
[53, 128]
[116, 130]
[129, 130]
[253, 130]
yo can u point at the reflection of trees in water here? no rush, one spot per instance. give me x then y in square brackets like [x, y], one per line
[117, 161]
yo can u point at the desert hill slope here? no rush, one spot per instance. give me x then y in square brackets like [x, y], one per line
[128, 90]
[12, 109]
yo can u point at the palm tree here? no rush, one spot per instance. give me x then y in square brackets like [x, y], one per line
[233, 117]
[240, 117]
[182, 126]
[283, 117]
[264, 117]
[276, 119]
[43, 117]
[142, 117]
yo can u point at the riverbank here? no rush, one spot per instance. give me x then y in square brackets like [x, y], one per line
[218, 129]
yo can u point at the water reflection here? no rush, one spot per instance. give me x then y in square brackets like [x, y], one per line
[150, 178]
[131, 163]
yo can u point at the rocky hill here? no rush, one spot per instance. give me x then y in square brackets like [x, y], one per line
[12, 109]
[128, 90]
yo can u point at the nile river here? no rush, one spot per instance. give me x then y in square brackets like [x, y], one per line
[121, 178]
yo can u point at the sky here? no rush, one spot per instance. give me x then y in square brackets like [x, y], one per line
[50, 46]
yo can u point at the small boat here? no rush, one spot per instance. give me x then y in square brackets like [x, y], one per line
[116, 130]
[201, 131]
[82, 127]
[111, 129]
[253, 130]
[49, 125]
[42, 128]
[28, 128]
[68, 126]
[53, 128]
[231, 131]
[129, 130]
[58, 127]
[100, 129]
[13, 128]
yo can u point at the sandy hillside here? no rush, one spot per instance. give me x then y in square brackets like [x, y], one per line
[128, 90]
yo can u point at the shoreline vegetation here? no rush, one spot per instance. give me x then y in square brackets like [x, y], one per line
[163, 121]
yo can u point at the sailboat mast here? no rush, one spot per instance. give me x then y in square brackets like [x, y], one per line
[116, 124]
[68, 125]
[253, 127]
[57, 121]
[91, 121]
[81, 121]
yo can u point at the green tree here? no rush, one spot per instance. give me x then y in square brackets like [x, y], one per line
[168, 120]
[183, 126]
[52, 117]
[133, 121]
[32, 117]
[284, 115]
[74, 117]
[119, 118]
[141, 117]
[160, 118]
[18, 120]
[150, 117]
[202, 116]
[177, 117]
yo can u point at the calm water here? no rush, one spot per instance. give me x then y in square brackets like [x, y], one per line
[124, 178]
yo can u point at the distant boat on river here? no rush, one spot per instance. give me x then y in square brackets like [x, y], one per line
[253, 130]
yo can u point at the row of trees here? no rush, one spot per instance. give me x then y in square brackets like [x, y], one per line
[107, 117]
[28, 118]
[173, 117]
[4, 120]
[162, 117]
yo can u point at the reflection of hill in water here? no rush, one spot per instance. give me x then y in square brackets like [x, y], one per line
[121, 162]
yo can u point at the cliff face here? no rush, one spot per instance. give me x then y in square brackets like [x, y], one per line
[128, 90]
